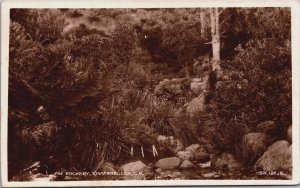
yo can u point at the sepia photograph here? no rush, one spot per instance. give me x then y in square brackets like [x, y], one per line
[155, 93]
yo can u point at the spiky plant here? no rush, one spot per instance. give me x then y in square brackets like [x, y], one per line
[161, 117]
[102, 138]
[41, 25]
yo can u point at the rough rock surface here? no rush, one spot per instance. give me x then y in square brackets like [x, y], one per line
[205, 165]
[186, 164]
[278, 157]
[196, 105]
[108, 167]
[168, 163]
[138, 169]
[192, 148]
[254, 145]
[198, 85]
[185, 155]
[201, 156]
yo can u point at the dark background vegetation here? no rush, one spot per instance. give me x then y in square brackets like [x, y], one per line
[94, 72]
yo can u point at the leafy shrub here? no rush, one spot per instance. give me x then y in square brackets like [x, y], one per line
[134, 98]
[122, 43]
[97, 87]
[97, 47]
[45, 75]
[107, 137]
[44, 26]
[177, 49]
[258, 89]
[99, 140]
[253, 23]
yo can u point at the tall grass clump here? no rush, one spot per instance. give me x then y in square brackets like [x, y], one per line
[160, 116]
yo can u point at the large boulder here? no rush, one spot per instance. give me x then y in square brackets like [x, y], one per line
[198, 85]
[185, 155]
[254, 145]
[168, 163]
[278, 157]
[228, 161]
[289, 134]
[135, 170]
[196, 105]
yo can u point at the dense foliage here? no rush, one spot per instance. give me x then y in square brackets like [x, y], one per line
[94, 80]
[257, 85]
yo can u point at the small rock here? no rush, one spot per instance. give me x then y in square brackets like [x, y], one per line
[108, 167]
[192, 148]
[135, 167]
[40, 175]
[278, 157]
[186, 164]
[168, 163]
[201, 156]
[158, 170]
[212, 175]
[217, 176]
[52, 177]
[205, 165]
[185, 155]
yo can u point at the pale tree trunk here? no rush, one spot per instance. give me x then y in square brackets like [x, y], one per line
[215, 33]
[202, 21]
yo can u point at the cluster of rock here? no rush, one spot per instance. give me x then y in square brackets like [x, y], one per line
[193, 90]
[185, 159]
[192, 157]
[265, 152]
[259, 149]
[173, 88]
[180, 86]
